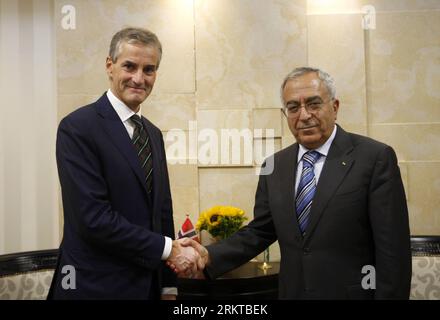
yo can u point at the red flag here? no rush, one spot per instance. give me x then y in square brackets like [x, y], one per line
[188, 231]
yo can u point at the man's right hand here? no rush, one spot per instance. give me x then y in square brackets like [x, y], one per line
[188, 248]
[183, 259]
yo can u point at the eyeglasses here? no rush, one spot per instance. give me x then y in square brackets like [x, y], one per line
[293, 109]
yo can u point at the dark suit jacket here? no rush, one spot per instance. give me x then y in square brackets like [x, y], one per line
[358, 217]
[113, 230]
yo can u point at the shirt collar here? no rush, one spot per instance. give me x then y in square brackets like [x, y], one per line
[323, 150]
[121, 108]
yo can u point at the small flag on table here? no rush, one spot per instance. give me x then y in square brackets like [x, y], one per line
[187, 230]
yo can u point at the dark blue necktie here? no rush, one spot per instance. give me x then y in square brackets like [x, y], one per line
[306, 189]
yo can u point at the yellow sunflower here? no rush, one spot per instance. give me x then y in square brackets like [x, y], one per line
[221, 221]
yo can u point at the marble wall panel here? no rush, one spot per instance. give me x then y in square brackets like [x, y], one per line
[230, 133]
[245, 48]
[170, 111]
[404, 68]
[355, 6]
[81, 52]
[228, 186]
[424, 200]
[412, 142]
[185, 193]
[268, 119]
[336, 45]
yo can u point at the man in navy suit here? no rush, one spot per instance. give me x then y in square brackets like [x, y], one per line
[334, 201]
[118, 220]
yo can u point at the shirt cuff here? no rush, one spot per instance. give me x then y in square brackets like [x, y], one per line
[169, 290]
[167, 248]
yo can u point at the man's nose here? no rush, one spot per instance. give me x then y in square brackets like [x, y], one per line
[138, 77]
[303, 113]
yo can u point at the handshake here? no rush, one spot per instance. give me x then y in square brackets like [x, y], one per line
[188, 258]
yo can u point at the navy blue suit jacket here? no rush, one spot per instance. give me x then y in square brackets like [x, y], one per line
[113, 229]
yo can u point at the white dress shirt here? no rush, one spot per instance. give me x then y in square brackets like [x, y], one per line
[323, 150]
[124, 114]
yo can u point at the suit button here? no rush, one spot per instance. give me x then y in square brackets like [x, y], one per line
[306, 251]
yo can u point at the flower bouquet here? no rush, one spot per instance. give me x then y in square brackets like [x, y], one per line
[221, 221]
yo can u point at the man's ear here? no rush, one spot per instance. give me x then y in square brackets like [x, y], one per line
[109, 66]
[336, 107]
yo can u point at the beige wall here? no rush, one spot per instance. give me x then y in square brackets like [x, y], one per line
[223, 64]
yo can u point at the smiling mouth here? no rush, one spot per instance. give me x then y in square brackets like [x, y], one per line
[133, 88]
[307, 127]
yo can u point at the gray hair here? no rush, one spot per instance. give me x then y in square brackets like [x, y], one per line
[134, 35]
[322, 75]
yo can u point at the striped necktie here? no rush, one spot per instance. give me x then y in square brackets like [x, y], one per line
[141, 142]
[306, 189]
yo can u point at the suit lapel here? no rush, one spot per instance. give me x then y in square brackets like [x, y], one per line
[287, 186]
[117, 133]
[337, 165]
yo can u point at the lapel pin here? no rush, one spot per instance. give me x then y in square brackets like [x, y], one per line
[343, 163]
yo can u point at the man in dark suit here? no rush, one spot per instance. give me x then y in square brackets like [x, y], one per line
[118, 221]
[334, 201]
